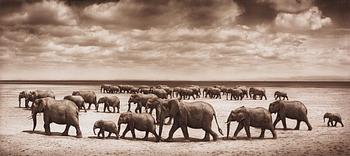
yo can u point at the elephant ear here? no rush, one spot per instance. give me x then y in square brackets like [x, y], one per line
[41, 103]
[243, 114]
[174, 107]
[281, 107]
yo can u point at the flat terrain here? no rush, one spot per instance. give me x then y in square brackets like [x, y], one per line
[16, 137]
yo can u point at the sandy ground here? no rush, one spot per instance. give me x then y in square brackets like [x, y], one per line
[16, 137]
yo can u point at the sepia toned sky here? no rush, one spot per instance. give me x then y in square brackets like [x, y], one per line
[175, 40]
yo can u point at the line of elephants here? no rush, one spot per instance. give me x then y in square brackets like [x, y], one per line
[183, 114]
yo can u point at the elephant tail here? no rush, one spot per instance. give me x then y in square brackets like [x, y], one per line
[219, 129]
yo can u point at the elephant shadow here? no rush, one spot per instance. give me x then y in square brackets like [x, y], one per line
[290, 129]
[189, 140]
[152, 139]
[43, 133]
[95, 137]
[246, 138]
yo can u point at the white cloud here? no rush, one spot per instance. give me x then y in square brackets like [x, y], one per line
[311, 19]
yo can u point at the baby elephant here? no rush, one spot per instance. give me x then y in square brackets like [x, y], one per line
[108, 101]
[279, 95]
[256, 117]
[290, 109]
[139, 121]
[78, 100]
[333, 117]
[108, 126]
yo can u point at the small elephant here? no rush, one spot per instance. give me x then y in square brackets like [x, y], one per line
[139, 121]
[333, 117]
[140, 100]
[109, 101]
[289, 109]
[236, 94]
[198, 115]
[108, 126]
[105, 88]
[78, 100]
[88, 96]
[256, 117]
[254, 92]
[25, 95]
[57, 111]
[279, 95]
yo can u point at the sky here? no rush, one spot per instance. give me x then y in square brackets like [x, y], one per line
[175, 40]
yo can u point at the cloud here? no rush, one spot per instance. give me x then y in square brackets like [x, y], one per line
[311, 19]
[42, 13]
[289, 6]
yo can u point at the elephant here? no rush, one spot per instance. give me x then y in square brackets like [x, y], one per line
[333, 117]
[114, 89]
[139, 121]
[57, 111]
[254, 92]
[169, 91]
[134, 90]
[237, 94]
[198, 115]
[125, 88]
[289, 109]
[244, 90]
[155, 103]
[105, 125]
[37, 94]
[109, 101]
[196, 90]
[145, 91]
[279, 94]
[255, 117]
[186, 93]
[105, 88]
[140, 100]
[161, 93]
[25, 95]
[88, 96]
[214, 93]
[176, 92]
[78, 100]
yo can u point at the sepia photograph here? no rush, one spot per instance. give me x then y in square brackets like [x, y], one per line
[174, 77]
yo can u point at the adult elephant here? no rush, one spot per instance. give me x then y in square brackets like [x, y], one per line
[256, 117]
[125, 88]
[25, 95]
[186, 93]
[279, 95]
[290, 109]
[145, 90]
[198, 115]
[78, 100]
[37, 94]
[161, 93]
[88, 96]
[140, 100]
[254, 92]
[134, 90]
[244, 90]
[109, 101]
[57, 111]
[105, 88]
[214, 93]
[236, 94]
[196, 90]
[114, 89]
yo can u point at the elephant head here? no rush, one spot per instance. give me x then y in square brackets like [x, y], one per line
[135, 98]
[124, 118]
[98, 124]
[276, 107]
[38, 106]
[326, 115]
[276, 93]
[240, 114]
[101, 100]
[171, 108]
[76, 93]
[23, 94]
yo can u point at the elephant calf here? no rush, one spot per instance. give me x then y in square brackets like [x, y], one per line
[109, 101]
[256, 117]
[108, 126]
[279, 95]
[78, 100]
[333, 117]
[290, 109]
[139, 121]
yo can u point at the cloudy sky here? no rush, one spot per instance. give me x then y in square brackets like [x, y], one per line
[175, 39]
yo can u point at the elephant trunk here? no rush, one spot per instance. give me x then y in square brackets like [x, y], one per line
[94, 129]
[228, 129]
[34, 121]
[324, 119]
[118, 131]
[161, 126]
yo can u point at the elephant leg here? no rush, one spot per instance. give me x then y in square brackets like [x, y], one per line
[185, 132]
[206, 136]
[287, 97]
[341, 123]
[127, 129]
[65, 132]
[328, 123]
[83, 106]
[89, 106]
[146, 136]
[109, 134]
[104, 107]
[99, 133]
[212, 133]
[109, 110]
[308, 124]
[274, 135]
[297, 127]
[118, 109]
[265, 97]
[276, 97]
[133, 133]
[78, 131]
[156, 135]
[129, 106]
[172, 131]
[276, 121]
[247, 130]
[262, 134]
[239, 128]
[47, 128]
[113, 109]
[284, 123]
[335, 125]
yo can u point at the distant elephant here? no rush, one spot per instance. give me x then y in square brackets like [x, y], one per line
[186, 93]
[236, 94]
[196, 90]
[25, 95]
[114, 89]
[145, 91]
[169, 91]
[161, 93]
[57, 111]
[254, 92]
[198, 115]
[139, 121]
[244, 90]
[105, 88]
[205, 92]
[214, 93]
[256, 117]
[279, 94]
[78, 100]
[290, 109]
[134, 90]
[140, 100]
[105, 125]
[109, 101]
[333, 117]
[125, 88]
[88, 96]
[37, 94]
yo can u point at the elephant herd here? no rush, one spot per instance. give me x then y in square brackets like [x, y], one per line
[168, 103]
